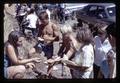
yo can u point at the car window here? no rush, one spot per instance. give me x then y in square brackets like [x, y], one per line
[92, 11]
[93, 8]
[101, 12]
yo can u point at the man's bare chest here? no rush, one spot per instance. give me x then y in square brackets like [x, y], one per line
[47, 30]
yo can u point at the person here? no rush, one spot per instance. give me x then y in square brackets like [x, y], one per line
[21, 12]
[102, 46]
[66, 31]
[14, 67]
[80, 56]
[67, 36]
[32, 18]
[47, 11]
[60, 14]
[48, 33]
[10, 22]
[111, 57]
[82, 61]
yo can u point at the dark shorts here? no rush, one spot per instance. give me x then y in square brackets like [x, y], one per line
[47, 49]
[96, 70]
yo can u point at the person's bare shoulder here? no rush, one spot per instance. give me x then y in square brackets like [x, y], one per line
[54, 26]
[9, 46]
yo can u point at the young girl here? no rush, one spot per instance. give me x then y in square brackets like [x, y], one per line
[67, 36]
[13, 66]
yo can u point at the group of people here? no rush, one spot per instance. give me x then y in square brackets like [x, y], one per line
[85, 55]
[27, 15]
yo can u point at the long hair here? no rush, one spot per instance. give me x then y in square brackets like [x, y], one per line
[111, 29]
[84, 35]
[14, 36]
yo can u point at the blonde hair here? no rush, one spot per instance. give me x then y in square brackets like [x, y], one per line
[66, 29]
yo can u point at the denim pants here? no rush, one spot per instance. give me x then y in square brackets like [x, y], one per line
[104, 67]
[47, 49]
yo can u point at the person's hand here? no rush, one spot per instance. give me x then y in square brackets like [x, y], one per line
[40, 39]
[110, 56]
[52, 61]
[37, 60]
[49, 61]
[65, 57]
[63, 60]
[30, 65]
[67, 62]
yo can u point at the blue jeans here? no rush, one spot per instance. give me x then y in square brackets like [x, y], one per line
[104, 67]
[47, 49]
[5, 66]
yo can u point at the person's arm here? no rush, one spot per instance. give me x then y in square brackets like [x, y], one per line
[85, 61]
[48, 38]
[73, 65]
[15, 60]
[111, 62]
[61, 50]
[70, 52]
[73, 46]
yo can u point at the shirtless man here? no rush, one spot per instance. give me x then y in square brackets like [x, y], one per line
[47, 34]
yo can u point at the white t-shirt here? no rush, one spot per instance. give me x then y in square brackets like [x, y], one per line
[32, 20]
[84, 58]
[101, 50]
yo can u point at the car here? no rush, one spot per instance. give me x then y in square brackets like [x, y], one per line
[71, 8]
[103, 11]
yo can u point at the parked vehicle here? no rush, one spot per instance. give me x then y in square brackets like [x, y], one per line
[103, 11]
[97, 15]
[71, 8]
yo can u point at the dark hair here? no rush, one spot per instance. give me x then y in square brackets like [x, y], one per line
[45, 7]
[111, 29]
[43, 15]
[84, 35]
[79, 23]
[102, 29]
[10, 5]
[31, 11]
[14, 36]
